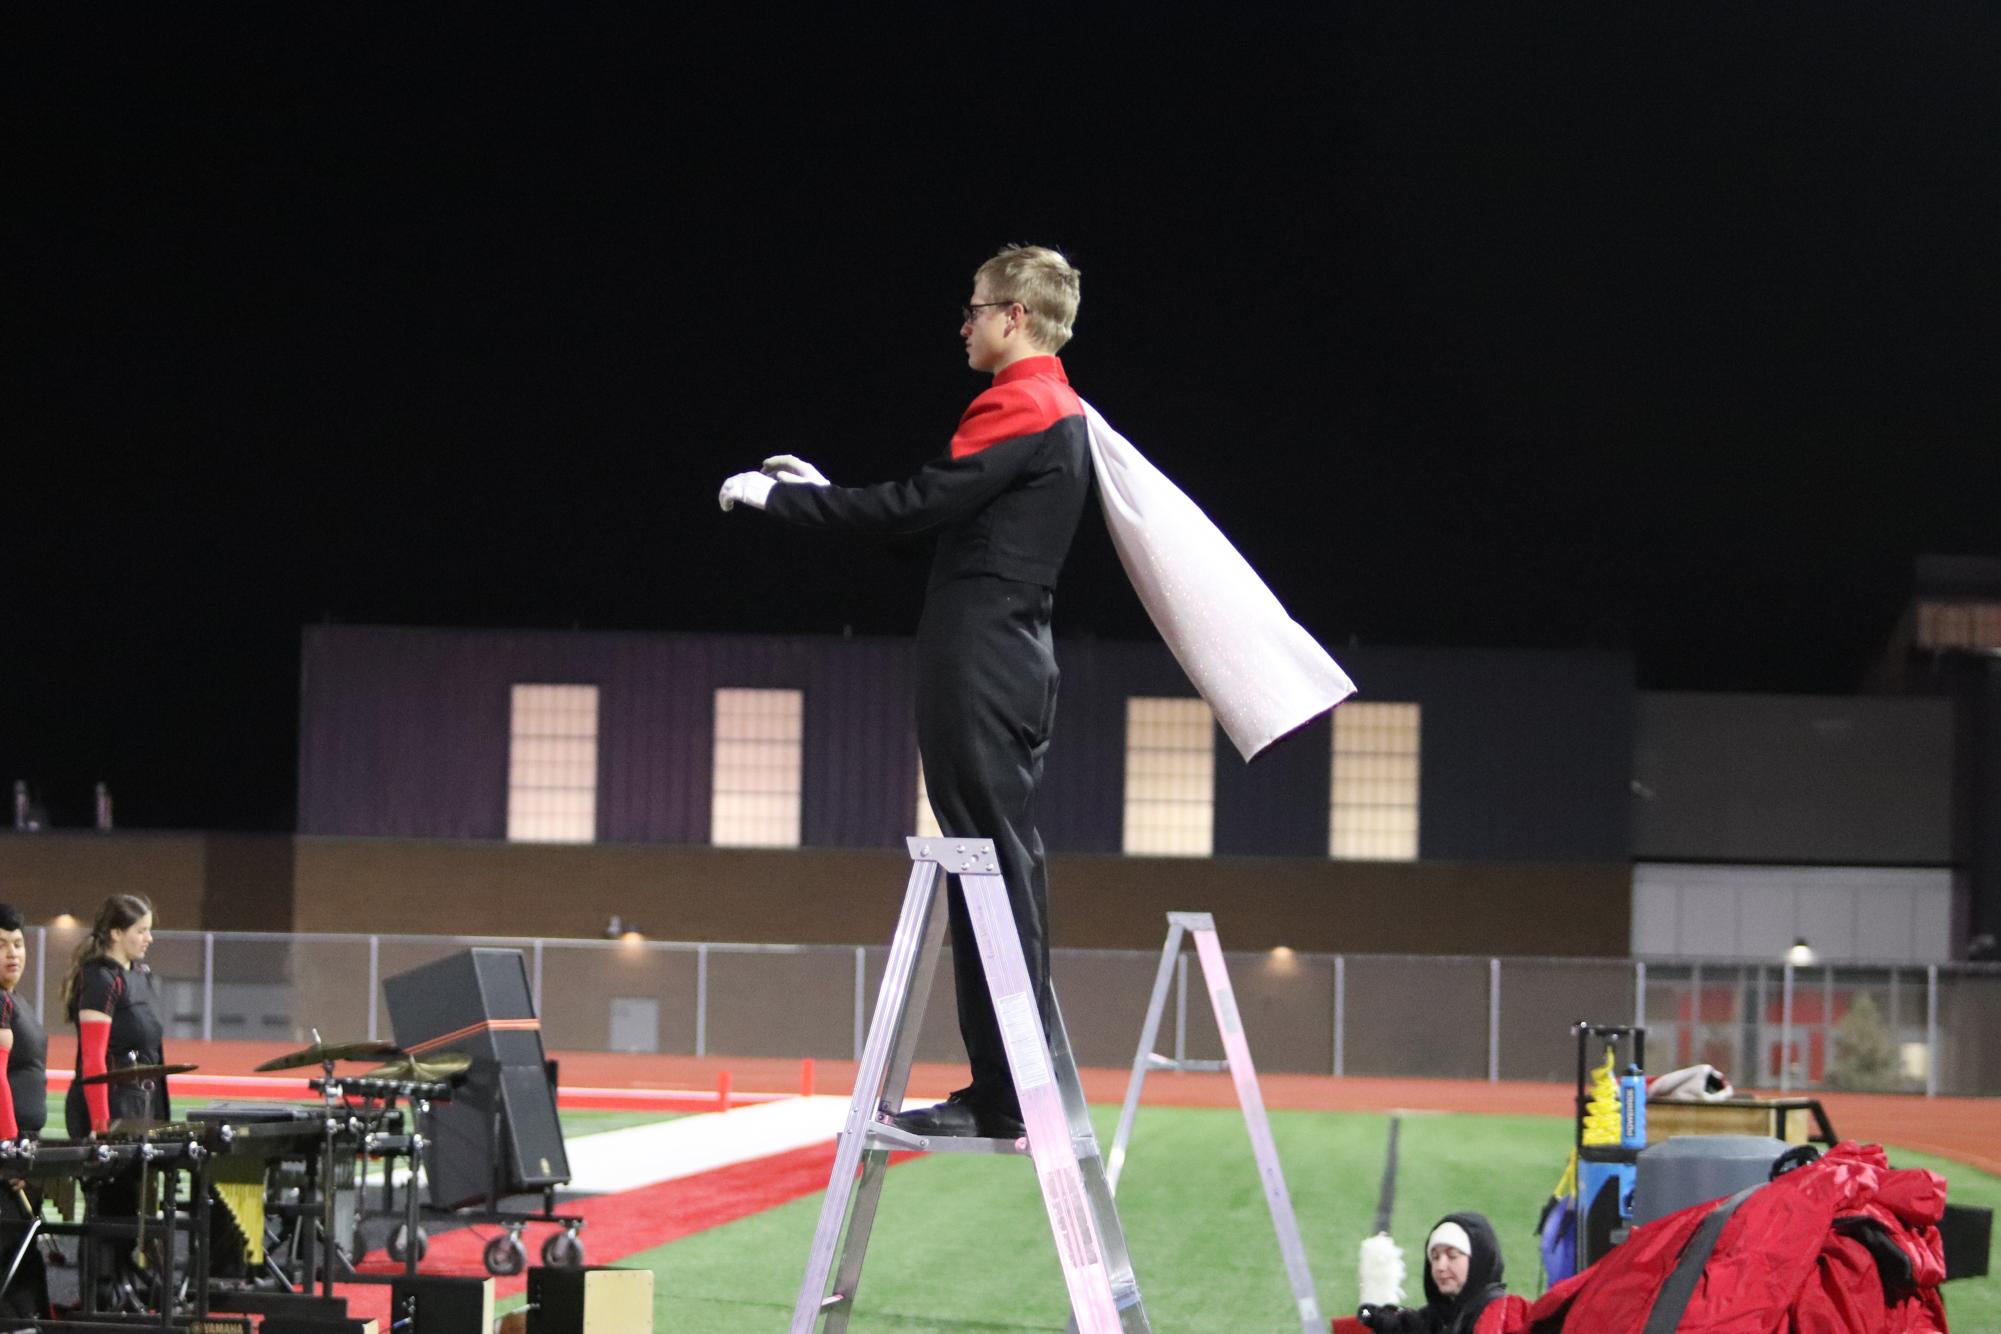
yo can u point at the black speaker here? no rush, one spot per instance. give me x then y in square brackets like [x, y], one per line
[1967, 1233]
[434, 1305]
[499, 1134]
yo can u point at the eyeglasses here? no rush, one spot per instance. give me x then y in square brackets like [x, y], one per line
[971, 312]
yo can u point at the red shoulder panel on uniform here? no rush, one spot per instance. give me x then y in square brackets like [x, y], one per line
[1028, 397]
[1003, 412]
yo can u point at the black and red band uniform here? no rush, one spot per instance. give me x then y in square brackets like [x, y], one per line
[28, 1085]
[127, 995]
[1004, 501]
[27, 1065]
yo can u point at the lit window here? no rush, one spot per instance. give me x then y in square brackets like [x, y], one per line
[754, 802]
[552, 764]
[1373, 811]
[1968, 625]
[927, 819]
[1170, 777]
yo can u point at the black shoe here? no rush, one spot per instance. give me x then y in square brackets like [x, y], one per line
[959, 1118]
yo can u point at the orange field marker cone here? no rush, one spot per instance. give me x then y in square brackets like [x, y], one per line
[806, 1078]
[723, 1091]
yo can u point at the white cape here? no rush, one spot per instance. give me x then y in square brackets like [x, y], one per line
[1262, 674]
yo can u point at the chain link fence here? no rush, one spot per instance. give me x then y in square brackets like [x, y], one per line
[1931, 1029]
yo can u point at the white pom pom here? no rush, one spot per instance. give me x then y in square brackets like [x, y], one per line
[1382, 1271]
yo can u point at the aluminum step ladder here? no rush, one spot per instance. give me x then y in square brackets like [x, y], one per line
[1090, 1244]
[1237, 1060]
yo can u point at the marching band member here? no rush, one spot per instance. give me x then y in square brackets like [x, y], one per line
[110, 998]
[24, 1108]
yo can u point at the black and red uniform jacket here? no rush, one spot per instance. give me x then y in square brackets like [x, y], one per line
[27, 1065]
[1005, 498]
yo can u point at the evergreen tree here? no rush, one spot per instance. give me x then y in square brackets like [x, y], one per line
[1865, 1052]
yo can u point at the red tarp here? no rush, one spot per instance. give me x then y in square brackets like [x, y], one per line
[1844, 1244]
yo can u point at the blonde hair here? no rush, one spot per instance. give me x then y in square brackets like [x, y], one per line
[1044, 282]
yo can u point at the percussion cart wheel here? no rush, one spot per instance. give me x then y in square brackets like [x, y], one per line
[506, 1256]
[399, 1243]
[564, 1250]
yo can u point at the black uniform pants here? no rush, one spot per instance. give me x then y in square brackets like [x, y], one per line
[118, 1197]
[986, 701]
[28, 1294]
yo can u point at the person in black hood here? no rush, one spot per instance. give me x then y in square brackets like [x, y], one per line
[1462, 1273]
[1462, 1278]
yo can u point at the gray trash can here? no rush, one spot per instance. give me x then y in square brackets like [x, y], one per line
[1692, 1169]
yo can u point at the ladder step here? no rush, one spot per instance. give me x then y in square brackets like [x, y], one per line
[883, 1135]
[1155, 1061]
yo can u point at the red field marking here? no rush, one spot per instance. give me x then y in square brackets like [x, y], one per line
[628, 1222]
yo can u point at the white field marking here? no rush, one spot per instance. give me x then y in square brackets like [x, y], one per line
[633, 1156]
[616, 1160]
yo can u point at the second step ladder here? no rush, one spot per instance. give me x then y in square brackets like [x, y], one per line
[1237, 1060]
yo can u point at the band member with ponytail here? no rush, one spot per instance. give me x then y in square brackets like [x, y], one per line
[109, 996]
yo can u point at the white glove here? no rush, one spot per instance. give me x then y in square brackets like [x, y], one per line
[792, 468]
[749, 488]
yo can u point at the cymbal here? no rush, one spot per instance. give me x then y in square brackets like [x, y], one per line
[435, 1068]
[126, 1074]
[322, 1052]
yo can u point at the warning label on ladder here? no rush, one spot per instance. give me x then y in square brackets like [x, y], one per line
[1076, 1240]
[1024, 1043]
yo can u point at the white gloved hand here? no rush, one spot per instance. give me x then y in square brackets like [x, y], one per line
[792, 468]
[748, 488]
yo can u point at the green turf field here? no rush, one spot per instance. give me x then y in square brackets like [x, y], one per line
[961, 1244]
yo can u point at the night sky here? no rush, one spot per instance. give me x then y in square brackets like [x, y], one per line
[1550, 326]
